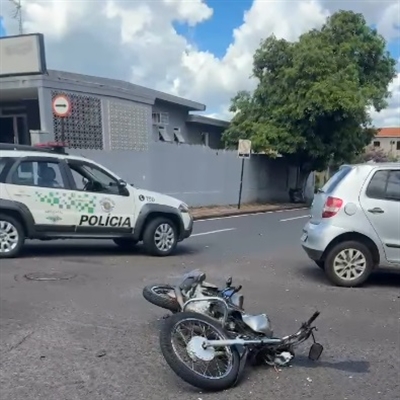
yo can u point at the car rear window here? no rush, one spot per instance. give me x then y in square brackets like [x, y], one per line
[332, 184]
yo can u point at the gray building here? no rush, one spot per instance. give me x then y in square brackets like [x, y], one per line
[100, 108]
[153, 139]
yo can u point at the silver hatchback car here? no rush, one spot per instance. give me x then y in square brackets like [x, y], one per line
[355, 223]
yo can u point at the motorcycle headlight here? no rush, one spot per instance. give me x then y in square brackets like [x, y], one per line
[184, 208]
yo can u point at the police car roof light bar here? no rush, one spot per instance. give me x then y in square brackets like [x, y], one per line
[50, 147]
[56, 147]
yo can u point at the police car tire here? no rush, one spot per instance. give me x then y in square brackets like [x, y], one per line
[149, 233]
[21, 236]
[125, 243]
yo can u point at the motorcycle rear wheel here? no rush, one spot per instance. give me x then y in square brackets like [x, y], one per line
[205, 327]
[157, 294]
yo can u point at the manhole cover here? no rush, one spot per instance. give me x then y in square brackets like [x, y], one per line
[49, 276]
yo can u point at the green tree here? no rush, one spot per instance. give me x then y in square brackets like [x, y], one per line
[312, 98]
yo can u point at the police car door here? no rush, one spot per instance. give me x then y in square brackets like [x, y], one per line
[104, 207]
[42, 185]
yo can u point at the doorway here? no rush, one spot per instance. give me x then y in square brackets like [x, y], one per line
[14, 129]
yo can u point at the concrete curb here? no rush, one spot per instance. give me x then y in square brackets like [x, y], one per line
[232, 213]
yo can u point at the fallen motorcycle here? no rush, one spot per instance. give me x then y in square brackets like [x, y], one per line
[211, 353]
[192, 285]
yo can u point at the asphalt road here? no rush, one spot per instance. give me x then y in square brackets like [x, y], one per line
[94, 337]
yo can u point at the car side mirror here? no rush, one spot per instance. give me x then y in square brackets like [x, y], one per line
[122, 183]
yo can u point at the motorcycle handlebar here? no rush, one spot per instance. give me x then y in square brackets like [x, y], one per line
[237, 289]
[313, 318]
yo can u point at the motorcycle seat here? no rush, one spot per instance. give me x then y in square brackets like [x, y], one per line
[209, 285]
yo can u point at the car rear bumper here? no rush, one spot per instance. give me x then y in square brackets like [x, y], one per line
[315, 255]
[316, 238]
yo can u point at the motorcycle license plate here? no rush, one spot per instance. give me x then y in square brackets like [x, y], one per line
[304, 237]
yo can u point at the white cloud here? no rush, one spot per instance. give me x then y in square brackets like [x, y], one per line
[390, 117]
[136, 40]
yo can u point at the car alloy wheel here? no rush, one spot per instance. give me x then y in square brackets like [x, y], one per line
[9, 237]
[349, 264]
[164, 237]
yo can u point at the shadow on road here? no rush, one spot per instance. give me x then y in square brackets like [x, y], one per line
[379, 278]
[359, 367]
[58, 249]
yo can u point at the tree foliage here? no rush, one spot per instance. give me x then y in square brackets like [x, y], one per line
[312, 99]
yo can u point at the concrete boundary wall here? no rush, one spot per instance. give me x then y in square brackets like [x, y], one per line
[199, 175]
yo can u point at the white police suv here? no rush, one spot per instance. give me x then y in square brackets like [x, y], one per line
[46, 193]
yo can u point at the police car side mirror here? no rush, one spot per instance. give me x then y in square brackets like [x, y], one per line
[122, 183]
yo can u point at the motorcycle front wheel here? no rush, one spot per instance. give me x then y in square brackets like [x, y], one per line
[210, 369]
[161, 295]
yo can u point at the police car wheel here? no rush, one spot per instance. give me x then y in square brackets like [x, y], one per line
[12, 236]
[125, 243]
[160, 237]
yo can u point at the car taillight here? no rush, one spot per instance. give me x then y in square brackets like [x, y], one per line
[331, 207]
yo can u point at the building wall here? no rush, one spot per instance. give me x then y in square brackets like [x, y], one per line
[388, 144]
[197, 174]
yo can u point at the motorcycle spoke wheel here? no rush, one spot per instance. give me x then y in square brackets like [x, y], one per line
[185, 333]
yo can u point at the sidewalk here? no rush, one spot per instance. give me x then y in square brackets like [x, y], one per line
[225, 211]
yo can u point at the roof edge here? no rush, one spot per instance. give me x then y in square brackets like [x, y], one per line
[201, 119]
[388, 132]
[119, 84]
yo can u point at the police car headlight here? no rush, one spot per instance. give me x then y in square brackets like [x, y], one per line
[184, 208]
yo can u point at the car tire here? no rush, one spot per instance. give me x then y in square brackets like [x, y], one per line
[151, 237]
[125, 243]
[320, 264]
[11, 227]
[338, 252]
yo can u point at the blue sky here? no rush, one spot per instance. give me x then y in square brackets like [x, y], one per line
[215, 34]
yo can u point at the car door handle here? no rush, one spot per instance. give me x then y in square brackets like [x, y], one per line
[376, 210]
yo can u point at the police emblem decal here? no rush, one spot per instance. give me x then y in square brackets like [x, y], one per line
[107, 205]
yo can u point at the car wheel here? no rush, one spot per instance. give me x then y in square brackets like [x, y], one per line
[12, 236]
[349, 264]
[160, 237]
[125, 243]
[320, 264]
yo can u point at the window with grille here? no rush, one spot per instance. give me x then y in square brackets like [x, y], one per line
[160, 118]
[83, 129]
[129, 125]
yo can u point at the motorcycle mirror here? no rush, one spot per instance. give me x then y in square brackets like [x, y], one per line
[229, 282]
[315, 351]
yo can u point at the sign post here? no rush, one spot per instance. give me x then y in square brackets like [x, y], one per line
[61, 109]
[244, 151]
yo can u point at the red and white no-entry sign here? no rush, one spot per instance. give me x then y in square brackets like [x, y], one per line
[61, 106]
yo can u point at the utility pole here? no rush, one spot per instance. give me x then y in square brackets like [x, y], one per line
[17, 14]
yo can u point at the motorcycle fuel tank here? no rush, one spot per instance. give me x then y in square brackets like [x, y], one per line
[258, 323]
